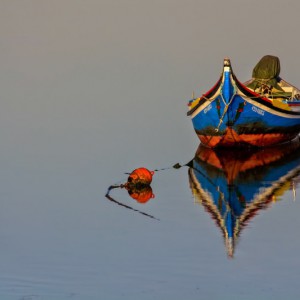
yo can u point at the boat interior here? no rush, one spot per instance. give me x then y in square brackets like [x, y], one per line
[282, 91]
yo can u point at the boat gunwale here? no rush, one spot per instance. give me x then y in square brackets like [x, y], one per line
[206, 96]
[245, 91]
[260, 99]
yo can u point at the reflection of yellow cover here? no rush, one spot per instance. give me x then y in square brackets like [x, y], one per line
[280, 104]
[280, 191]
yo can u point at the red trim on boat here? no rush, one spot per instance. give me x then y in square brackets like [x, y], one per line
[256, 95]
[213, 88]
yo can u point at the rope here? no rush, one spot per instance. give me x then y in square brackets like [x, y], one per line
[110, 198]
[225, 110]
[115, 186]
[209, 99]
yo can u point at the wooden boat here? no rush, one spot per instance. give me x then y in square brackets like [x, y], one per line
[234, 186]
[261, 112]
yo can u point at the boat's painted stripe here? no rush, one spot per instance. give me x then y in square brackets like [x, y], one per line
[265, 102]
[202, 107]
[260, 102]
[213, 91]
[227, 86]
[272, 109]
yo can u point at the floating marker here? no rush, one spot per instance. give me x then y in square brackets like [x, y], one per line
[140, 176]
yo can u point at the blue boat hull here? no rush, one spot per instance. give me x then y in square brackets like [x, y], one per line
[231, 114]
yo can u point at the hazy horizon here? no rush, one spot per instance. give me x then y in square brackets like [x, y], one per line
[93, 89]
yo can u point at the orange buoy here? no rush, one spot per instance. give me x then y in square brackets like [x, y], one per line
[141, 195]
[141, 176]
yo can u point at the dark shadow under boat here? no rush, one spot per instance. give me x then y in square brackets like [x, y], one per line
[234, 185]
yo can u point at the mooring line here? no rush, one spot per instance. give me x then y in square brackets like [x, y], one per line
[124, 205]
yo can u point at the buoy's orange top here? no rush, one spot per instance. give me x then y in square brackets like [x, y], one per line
[140, 176]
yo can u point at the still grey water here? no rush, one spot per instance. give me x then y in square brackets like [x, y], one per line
[92, 90]
[61, 238]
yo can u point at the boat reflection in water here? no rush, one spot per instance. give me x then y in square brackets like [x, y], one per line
[234, 185]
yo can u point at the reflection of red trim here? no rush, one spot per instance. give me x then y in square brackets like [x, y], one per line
[233, 165]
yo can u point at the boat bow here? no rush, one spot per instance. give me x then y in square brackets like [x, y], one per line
[232, 114]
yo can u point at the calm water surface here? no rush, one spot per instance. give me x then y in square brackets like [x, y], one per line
[225, 227]
[92, 90]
